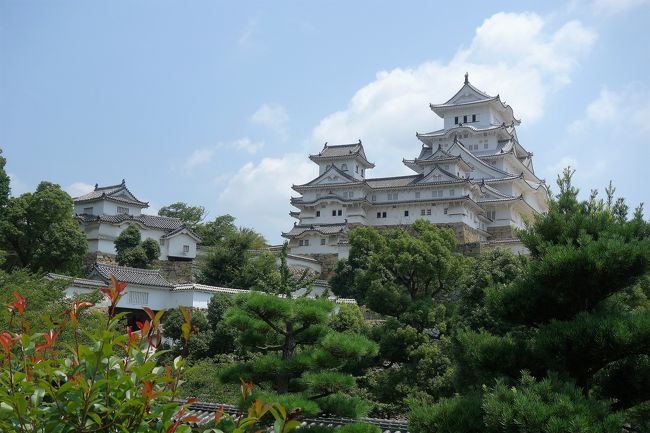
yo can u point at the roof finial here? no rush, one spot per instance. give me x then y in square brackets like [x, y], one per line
[466, 78]
[123, 182]
[96, 186]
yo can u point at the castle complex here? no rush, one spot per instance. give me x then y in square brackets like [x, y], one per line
[472, 175]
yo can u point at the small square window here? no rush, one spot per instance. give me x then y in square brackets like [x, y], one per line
[473, 117]
[339, 212]
[452, 192]
[306, 242]
[446, 209]
[374, 197]
[464, 119]
[186, 248]
[406, 213]
[322, 241]
[88, 210]
[422, 212]
[378, 214]
[456, 120]
[334, 212]
[428, 211]
[317, 213]
[122, 210]
[383, 214]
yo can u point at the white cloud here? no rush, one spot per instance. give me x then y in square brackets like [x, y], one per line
[77, 189]
[258, 194]
[273, 116]
[616, 6]
[514, 54]
[248, 145]
[617, 109]
[199, 157]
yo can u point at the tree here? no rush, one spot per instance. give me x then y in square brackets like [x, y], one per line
[574, 314]
[305, 362]
[190, 215]
[232, 263]
[4, 185]
[403, 274]
[39, 232]
[212, 233]
[133, 252]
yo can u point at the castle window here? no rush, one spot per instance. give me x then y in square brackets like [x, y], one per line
[485, 145]
[322, 241]
[138, 298]
[357, 168]
[452, 192]
[317, 213]
[344, 167]
[306, 242]
[161, 241]
[186, 249]
[406, 213]
[383, 214]
[122, 210]
[446, 209]
[392, 196]
[334, 212]
[374, 197]
[88, 210]
[436, 194]
[378, 214]
[339, 212]
[456, 120]
[423, 212]
[428, 211]
[473, 117]
[417, 194]
[464, 119]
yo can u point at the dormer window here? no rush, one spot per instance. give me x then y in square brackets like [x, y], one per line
[122, 210]
[344, 167]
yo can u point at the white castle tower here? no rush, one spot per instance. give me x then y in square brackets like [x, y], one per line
[472, 175]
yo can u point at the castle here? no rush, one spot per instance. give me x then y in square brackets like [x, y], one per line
[472, 175]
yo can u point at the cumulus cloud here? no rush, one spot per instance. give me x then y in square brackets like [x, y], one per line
[199, 157]
[77, 189]
[203, 156]
[258, 193]
[510, 53]
[273, 116]
[616, 109]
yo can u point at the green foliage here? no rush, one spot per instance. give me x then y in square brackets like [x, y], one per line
[551, 405]
[190, 215]
[38, 232]
[212, 233]
[4, 185]
[231, 263]
[358, 427]
[460, 414]
[349, 319]
[296, 352]
[110, 384]
[133, 252]
[202, 380]
[404, 274]
[575, 318]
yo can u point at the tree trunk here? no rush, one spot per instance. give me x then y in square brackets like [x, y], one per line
[289, 346]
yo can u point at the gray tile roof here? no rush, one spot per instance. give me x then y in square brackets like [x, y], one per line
[342, 150]
[112, 192]
[78, 282]
[325, 229]
[390, 182]
[151, 221]
[205, 413]
[143, 277]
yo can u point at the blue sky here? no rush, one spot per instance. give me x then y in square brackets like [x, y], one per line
[218, 104]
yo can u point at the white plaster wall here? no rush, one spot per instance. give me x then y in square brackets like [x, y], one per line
[175, 246]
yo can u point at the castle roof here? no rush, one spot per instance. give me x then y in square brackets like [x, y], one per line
[342, 151]
[142, 277]
[150, 221]
[118, 193]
